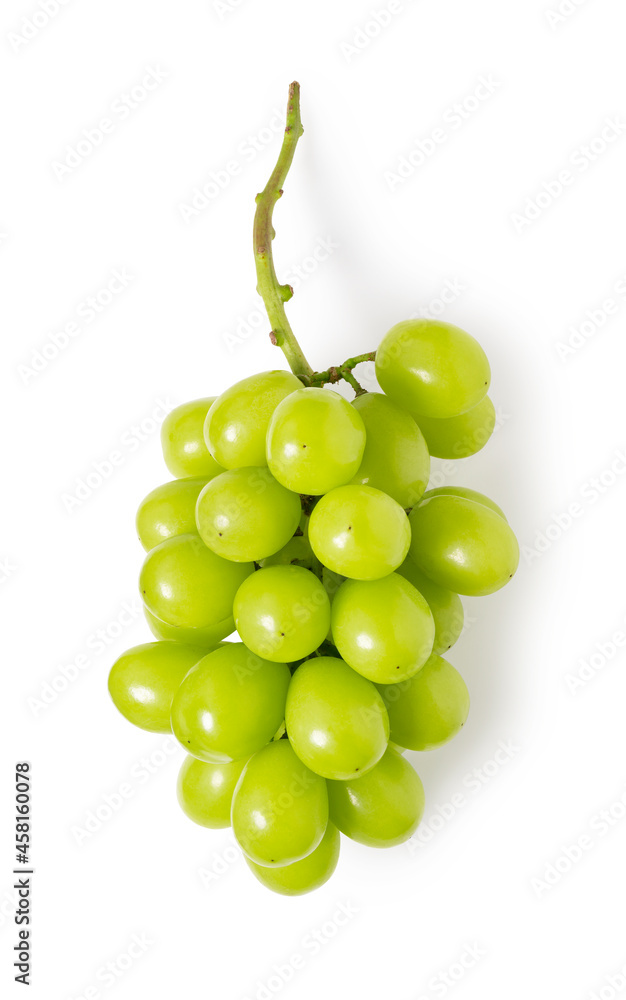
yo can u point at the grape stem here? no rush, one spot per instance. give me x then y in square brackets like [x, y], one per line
[344, 371]
[274, 294]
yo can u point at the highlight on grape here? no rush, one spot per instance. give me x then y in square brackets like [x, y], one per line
[305, 523]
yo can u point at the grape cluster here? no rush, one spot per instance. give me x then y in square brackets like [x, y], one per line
[304, 522]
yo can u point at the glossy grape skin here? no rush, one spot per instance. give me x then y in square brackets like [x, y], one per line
[306, 875]
[336, 720]
[280, 808]
[144, 680]
[205, 790]
[432, 368]
[282, 613]
[460, 436]
[383, 629]
[446, 607]
[383, 808]
[244, 515]
[359, 532]
[315, 441]
[236, 425]
[430, 708]
[182, 440]
[230, 705]
[396, 458]
[168, 510]
[206, 638]
[463, 545]
[184, 583]
[466, 494]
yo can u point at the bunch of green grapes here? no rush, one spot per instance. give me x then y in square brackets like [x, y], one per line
[304, 523]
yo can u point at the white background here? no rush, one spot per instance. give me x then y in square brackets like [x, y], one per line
[187, 325]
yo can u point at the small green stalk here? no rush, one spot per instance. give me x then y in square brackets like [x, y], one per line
[344, 372]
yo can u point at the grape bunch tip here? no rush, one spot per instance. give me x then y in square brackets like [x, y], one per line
[304, 522]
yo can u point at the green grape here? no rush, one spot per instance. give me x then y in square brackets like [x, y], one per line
[230, 705]
[336, 719]
[144, 680]
[359, 532]
[466, 494]
[463, 545]
[446, 607]
[205, 790]
[182, 440]
[282, 613]
[384, 807]
[280, 808]
[428, 709]
[362, 613]
[184, 583]
[315, 441]
[168, 510]
[297, 552]
[302, 876]
[396, 458]
[332, 582]
[461, 436]
[205, 638]
[236, 424]
[244, 515]
[432, 368]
